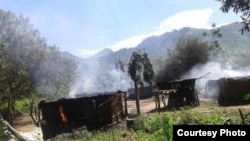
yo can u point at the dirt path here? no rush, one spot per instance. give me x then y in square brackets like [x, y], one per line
[24, 124]
[146, 105]
[206, 105]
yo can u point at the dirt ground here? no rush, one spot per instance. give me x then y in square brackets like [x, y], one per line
[24, 124]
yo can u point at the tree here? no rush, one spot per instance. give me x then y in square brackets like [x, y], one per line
[188, 52]
[139, 69]
[215, 33]
[18, 40]
[238, 6]
[134, 71]
[24, 59]
[148, 72]
[214, 43]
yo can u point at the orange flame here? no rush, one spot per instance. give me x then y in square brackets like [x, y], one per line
[62, 114]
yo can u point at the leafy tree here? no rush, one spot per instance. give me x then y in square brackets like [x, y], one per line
[238, 6]
[19, 56]
[215, 34]
[148, 72]
[134, 71]
[188, 52]
[23, 58]
[140, 67]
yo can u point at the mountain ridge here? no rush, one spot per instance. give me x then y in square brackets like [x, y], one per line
[156, 46]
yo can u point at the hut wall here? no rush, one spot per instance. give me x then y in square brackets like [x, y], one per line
[91, 112]
[111, 110]
[232, 90]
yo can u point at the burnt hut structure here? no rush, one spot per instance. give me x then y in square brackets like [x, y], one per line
[232, 90]
[180, 93]
[144, 92]
[68, 115]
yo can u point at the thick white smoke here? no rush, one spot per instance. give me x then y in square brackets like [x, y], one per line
[94, 78]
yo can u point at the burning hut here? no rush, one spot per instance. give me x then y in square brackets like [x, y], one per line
[180, 93]
[67, 115]
[233, 89]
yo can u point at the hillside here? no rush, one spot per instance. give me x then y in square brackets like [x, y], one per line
[156, 46]
[99, 71]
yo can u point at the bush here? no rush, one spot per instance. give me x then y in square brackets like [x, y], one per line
[21, 107]
[189, 51]
[247, 97]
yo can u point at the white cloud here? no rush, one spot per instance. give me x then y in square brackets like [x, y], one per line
[192, 18]
[127, 43]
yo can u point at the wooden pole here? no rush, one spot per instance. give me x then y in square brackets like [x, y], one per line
[125, 103]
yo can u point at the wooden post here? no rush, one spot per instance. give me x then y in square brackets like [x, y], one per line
[125, 103]
[157, 101]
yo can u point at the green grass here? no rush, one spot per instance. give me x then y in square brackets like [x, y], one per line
[158, 127]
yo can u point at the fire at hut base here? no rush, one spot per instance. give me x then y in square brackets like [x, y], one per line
[68, 115]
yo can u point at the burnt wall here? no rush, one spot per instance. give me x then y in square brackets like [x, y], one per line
[66, 115]
[232, 90]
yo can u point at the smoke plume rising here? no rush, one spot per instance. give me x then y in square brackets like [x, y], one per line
[96, 77]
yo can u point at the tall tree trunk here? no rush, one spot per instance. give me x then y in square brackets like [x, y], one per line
[151, 87]
[137, 98]
[10, 109]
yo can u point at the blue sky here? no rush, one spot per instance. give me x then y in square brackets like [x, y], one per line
[84, 27]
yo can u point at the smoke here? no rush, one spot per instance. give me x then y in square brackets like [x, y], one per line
[208, 72]
[97, 77]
